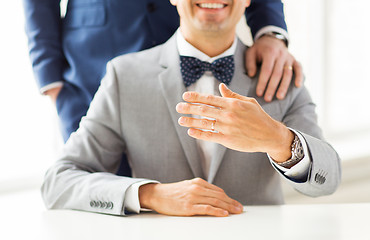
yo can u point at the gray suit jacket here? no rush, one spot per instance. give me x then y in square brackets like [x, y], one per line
[134, 112]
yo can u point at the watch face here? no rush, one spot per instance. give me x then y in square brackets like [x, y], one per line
[298, 150]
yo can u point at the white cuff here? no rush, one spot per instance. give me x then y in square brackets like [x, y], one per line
[299, 170]
[271, 28]
[51, 86]
[132, 202]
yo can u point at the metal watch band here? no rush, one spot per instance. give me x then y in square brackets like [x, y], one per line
[297, 154]
[277, 36]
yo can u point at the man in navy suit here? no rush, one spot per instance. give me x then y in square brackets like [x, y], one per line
[69, 54]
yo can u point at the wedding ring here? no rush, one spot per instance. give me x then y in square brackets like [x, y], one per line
[213, 125]
[288, 67]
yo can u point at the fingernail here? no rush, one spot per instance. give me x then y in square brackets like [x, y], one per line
[179, 106]
[237, 209]
[181, 120]
[191, 131]
[185, 95]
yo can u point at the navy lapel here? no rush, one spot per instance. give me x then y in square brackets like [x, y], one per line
[172, 88]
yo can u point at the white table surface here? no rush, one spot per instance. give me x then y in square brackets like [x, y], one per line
[23, 216]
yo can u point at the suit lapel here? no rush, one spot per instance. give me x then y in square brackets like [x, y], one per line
[172, 88]
[241, 84]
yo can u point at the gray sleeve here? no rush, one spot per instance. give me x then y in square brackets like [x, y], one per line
[324, 174]
[84, 176]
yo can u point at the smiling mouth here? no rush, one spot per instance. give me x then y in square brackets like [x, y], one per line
[211, 5]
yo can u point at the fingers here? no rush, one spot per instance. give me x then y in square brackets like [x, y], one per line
[205, 184]
[251, 62]
[215, 207]
[195, 97]
[226, 92]
[285, 82]
[197, 109]
[275, 57]
[212, 100]
[209, 199]
[205, 124]
[206, 136]
[187, 198]
[266, 71]
[297, 67]
[212, 191]
[220, 200]
[275, 79]
[204, 209]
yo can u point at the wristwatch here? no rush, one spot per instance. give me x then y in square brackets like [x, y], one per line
[297, 154]
[277, 36]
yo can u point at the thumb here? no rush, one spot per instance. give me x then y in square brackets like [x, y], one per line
[226, 92]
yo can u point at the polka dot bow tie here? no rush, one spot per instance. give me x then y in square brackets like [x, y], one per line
[192, 69]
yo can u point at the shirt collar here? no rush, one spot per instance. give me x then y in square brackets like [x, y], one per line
[186, 49]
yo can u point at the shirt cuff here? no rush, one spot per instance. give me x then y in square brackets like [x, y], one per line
[132, 203]
[271, 28]
[51, 86]
[300, 170]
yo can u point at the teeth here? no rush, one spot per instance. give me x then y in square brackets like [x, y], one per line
[211, 5]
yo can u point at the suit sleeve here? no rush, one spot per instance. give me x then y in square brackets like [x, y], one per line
[43, 29]
[262, 13]
[324, 174]
[84, 176]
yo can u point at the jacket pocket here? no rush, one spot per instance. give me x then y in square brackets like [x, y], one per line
[85, 15]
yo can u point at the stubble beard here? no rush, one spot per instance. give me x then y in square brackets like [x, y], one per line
[210, 25]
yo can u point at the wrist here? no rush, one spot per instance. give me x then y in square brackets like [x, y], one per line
[146, 195]
[282, 151]
[277, 36]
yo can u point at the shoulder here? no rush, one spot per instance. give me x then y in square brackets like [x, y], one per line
[138, 61]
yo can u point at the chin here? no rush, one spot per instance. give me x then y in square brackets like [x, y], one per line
[211, 26]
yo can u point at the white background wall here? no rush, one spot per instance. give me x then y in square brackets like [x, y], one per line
[27, 120]
[329, 37]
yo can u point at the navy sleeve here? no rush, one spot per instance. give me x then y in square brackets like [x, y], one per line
[263, 13]
[43, 29]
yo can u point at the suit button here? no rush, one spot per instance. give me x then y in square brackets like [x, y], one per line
[151, 7]
[320, 179]
[103, 205]
[109, 205]
[92, 204]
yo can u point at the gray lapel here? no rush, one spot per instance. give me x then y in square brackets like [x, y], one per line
[241, 84]
[172, 88]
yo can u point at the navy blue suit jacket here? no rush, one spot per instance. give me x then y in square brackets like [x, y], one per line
[75, 49]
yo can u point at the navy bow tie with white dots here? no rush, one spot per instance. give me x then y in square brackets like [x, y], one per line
[192, 69]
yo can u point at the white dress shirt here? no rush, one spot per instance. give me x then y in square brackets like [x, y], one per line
[209, 84]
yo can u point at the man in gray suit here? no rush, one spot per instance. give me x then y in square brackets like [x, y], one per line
[139, 110]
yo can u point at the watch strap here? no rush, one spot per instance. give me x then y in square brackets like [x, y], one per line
[277, 36]
[297, 154]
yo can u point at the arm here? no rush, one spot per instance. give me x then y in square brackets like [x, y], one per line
[241, 124]
[85, 173]
[263, 13]
[43, 29]
[277, 63]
